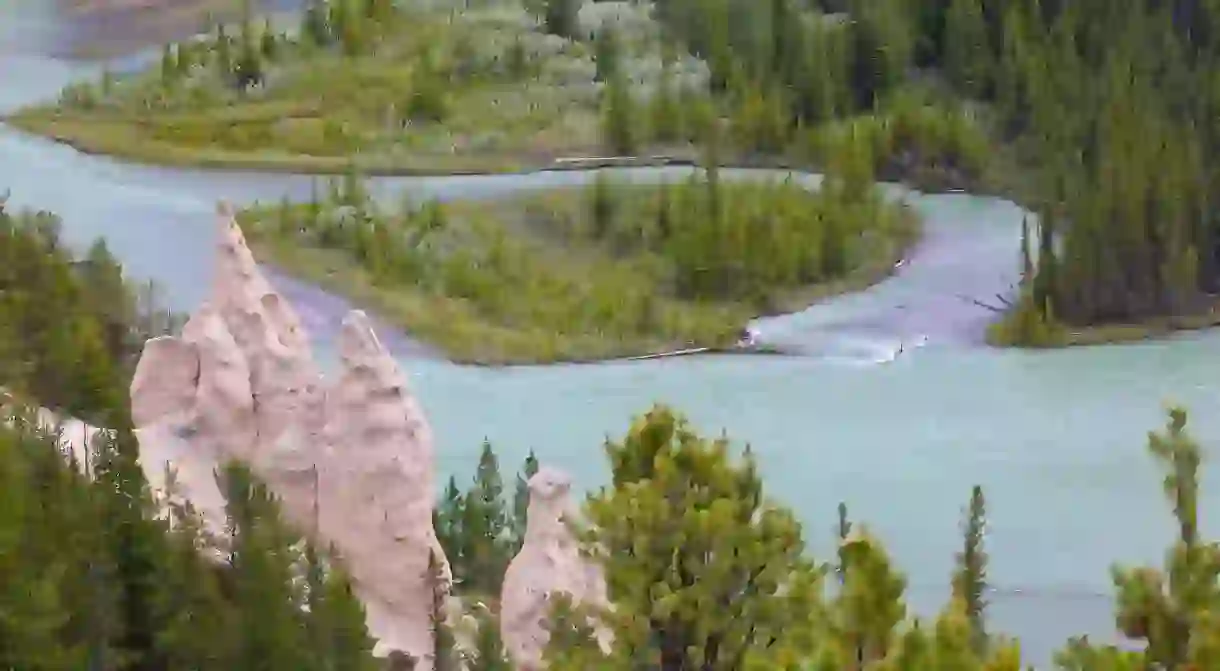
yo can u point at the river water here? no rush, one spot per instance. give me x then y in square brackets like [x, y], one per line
[1057, 439]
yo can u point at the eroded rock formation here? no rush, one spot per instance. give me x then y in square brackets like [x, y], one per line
[351, 463]
[377, 496]
[549, 563]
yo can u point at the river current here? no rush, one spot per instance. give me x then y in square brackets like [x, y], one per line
[1057, 439]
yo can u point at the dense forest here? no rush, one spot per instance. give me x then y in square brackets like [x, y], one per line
[69, 327]
[1108, 108]
[1098, 115]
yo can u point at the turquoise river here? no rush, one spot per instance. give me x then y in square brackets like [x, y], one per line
[1057, 439]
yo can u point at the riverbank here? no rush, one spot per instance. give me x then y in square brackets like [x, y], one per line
[116, 140]
[544, 278]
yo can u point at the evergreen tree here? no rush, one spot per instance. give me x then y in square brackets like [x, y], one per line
[521, 501]
[607, 55]
[489, 649]
[191, 601]
[315, 23]
[485, 527]
[561, 17]
[270, 631]
[448, 519]
[968, 53]
[722, 582]
[869, 607]
[618, 116]
[444, 645]
[970, 577]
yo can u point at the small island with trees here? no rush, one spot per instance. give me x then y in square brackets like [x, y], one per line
[614, 269]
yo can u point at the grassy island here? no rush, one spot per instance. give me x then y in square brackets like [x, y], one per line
[397, 89]
[581, 273]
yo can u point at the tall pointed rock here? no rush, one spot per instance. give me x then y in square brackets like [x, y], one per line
[549, 562]
[378, 496]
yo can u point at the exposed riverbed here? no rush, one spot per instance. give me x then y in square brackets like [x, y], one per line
[1056, 438]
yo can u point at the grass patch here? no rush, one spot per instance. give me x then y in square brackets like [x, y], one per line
[587, 273]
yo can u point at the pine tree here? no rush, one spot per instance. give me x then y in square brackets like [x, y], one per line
[970, 578]
[870, 605]
[444, 645]
[607, 55]
[722, 582]
[489, 649]
[270, 632]
[190, 600]
[521, 501]
[448, 520]
[843, 530]
[315, 23]
[968, 53]
[618, 116]
[485, 527]
[561, 17]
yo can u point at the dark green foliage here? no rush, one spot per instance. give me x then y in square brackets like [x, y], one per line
[714, 544]
[95, 578]
[521, 501]
[560, 17]
[71, 331]
[480, 529]
[444, 647]
[970, 577]
[489, 649]
[707, 245]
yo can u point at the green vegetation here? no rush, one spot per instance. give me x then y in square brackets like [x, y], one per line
[1097, 115]
[396, 88]
[96, 576]
[703, 569]
[576, 274]
[725, 543]
[68, 326]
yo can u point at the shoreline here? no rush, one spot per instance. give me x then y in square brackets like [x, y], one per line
[174, 156]
[160, 154]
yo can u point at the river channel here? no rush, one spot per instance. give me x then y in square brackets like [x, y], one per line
[1057, 439]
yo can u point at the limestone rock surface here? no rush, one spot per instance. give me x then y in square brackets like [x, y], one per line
[351, 461]
[549, 563]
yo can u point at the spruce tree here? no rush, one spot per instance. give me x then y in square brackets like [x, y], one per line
[448, 520]
[970, 578]
[521, 501]
[270, 632]
[485, 527]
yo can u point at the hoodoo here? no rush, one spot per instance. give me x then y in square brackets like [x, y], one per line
[351, 463]
[549, 563]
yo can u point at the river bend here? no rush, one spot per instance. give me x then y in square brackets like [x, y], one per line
[1056, 438]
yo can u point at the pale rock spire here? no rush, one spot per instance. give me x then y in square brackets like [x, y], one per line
[550, 562]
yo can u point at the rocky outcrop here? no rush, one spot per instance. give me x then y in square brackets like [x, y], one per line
[549, 563]
[351, 463]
